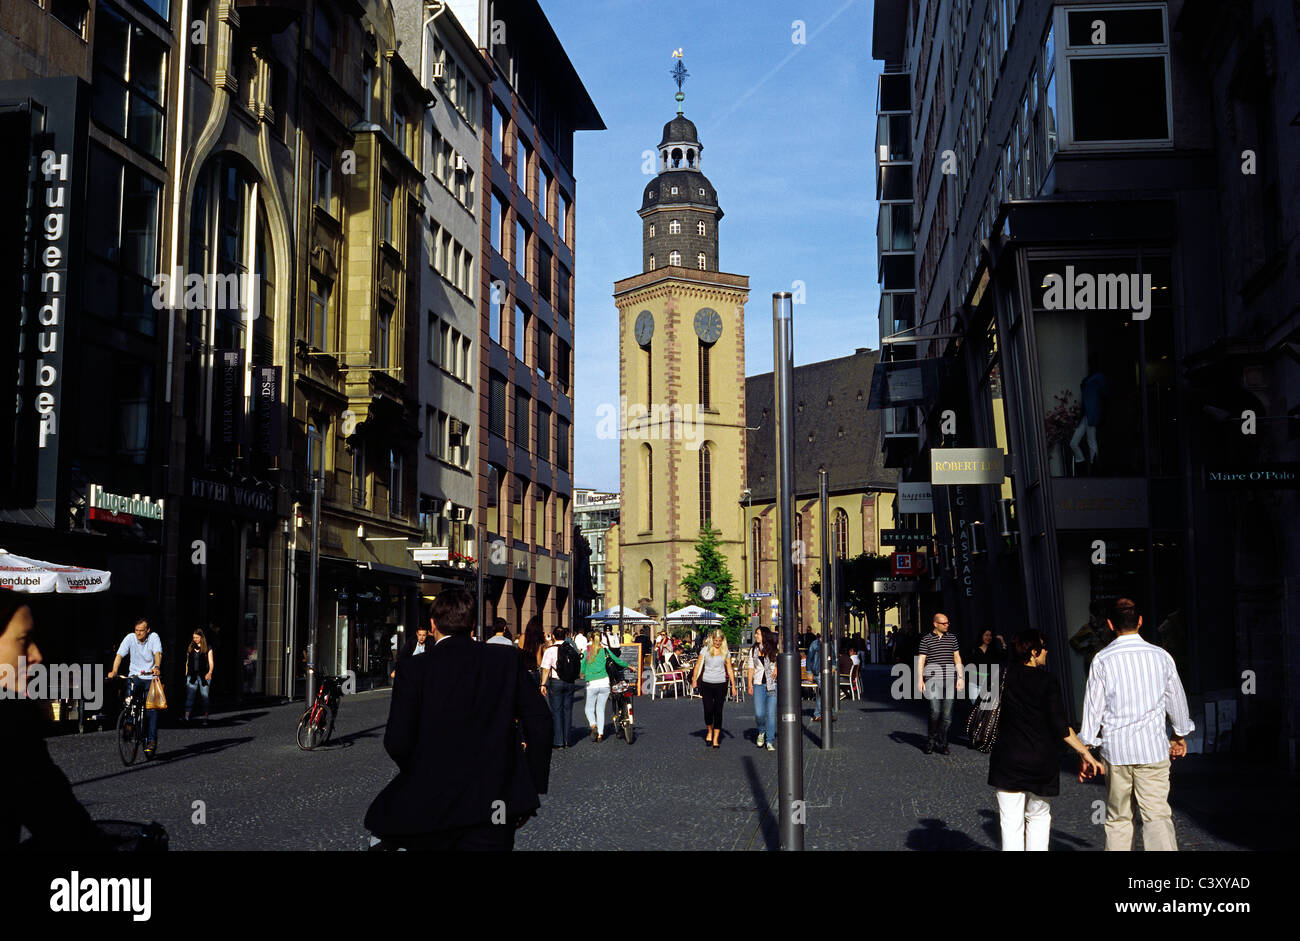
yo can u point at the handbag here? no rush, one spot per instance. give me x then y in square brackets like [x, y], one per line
[156, 699]
[612, 669]
[982, 726]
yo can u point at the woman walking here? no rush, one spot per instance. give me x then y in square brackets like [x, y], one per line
[713, 675]
[760, 681]
[594, 671]
[198, 674]
[1024, 765]
[532, 648]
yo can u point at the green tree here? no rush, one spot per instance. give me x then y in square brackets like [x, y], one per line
[711, 567]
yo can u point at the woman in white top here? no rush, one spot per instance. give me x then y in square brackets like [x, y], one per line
[760, 682]
[713, 674]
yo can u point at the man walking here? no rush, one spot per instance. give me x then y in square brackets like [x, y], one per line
[413, 648]
[1132, 687]
[469, 732]
[561, 666]
[938, 678]
[501, 634]
[814, 668]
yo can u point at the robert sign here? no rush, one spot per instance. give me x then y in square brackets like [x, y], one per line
[966, 466]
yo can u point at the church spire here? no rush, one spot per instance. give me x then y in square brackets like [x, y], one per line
[680, 75]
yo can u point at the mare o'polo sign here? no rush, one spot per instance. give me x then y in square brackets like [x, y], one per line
[966, 466]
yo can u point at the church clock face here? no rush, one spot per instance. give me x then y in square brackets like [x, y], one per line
[645, 327]
[708, 325]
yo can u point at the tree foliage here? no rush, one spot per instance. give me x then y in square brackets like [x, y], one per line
[711, 567]
[856, 589]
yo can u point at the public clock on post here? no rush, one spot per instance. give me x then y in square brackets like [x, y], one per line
[708, 591]
[645, 327]
[708, 325]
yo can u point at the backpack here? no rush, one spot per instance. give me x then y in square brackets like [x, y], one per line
[568, 662]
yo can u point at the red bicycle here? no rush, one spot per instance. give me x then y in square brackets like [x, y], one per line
[317, 723]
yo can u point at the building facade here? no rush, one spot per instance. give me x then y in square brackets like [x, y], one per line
[594, 512]
[531, 108]
[1070, 171]
[681, 378]
[831, 422]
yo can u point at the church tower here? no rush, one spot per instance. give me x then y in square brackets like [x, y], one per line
[681, 379]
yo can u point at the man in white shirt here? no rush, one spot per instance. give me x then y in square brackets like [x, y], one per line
[145, 652]
[502, 634]
[580, 641]
[1132, 687]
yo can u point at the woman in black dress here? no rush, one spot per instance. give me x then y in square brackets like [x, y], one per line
[1025, 764]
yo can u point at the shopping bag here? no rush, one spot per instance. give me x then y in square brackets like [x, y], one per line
[157, 699]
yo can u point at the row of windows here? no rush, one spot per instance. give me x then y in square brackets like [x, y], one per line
[646, 503]
[451, 260]
[675, 260]
[675, 228]
[523, 243]
[497, 393]
[538, 354]
[449, 349]
[453, 171]
[460, 91]
[532, 177]
[839, 543]
[320, 442]
[447, 438]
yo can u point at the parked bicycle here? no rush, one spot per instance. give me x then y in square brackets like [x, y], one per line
[317, 723]
[131, 728]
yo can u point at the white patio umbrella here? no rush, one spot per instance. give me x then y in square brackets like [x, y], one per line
[630, 616]
[32, 576]
[693, 614]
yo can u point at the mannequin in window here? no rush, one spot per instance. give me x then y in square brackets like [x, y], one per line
[1092, 393]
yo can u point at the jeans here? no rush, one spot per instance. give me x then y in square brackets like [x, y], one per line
[559, 696]
[196, 686]
[940, 692]
[596, 696]
[1026, 820]
[140, 687]
[765, 711]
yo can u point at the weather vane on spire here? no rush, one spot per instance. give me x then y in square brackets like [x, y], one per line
[679, 75]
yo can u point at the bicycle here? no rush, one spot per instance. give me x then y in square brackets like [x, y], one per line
[317, 723]
[131, 723]
[620, 694]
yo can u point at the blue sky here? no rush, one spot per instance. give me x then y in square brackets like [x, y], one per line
[788, 132]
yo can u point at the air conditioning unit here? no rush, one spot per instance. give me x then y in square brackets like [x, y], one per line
[456, 430]
[461, 164]
[460, 514]
[438, 70]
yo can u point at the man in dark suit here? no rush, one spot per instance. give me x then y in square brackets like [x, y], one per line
[471, 736]
[418, 645]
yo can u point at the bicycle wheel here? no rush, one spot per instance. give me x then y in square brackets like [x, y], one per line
[629, 733]
[307, 731]
[327, 725]
[128, 739]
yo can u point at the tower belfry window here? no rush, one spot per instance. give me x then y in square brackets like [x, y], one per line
[674, 228]
[674, 258]
[700, 227]
[701, 262]
[652, 230]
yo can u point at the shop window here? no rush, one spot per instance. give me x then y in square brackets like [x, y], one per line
[1102, 348]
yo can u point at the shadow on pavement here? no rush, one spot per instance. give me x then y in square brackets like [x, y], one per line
[915, 739]
[346, 741]
[767, 822]
[934, 834]
[171, 757]
[220, 722]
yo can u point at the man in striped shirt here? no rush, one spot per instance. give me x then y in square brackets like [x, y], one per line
[1132, 687]
[938, 678]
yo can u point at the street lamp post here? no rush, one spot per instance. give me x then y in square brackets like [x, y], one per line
[790, 739]
[829, 650]
[313, 568]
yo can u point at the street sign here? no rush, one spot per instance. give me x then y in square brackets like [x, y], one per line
[894, 586]
[428, 555]
[758, 594]
[915, 498]
[907, 563]
[903, 537]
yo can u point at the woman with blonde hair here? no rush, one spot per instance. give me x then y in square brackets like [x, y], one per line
[596, 674]
[713, 674]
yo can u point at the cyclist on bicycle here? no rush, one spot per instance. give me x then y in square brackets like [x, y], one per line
[145, 650]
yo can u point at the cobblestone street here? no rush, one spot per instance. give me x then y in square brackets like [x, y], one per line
[875, 791]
